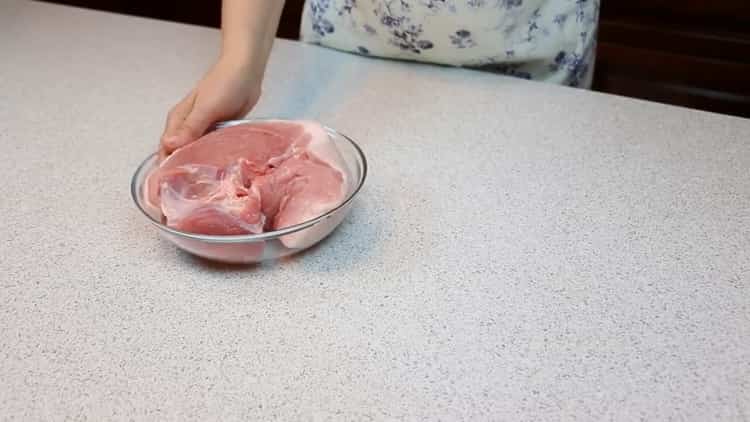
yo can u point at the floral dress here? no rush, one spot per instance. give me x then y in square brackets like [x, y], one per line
[547, 40]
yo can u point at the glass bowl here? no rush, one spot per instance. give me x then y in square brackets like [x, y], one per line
[252, 248]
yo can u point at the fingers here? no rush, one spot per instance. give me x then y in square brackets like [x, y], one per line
[192, 116]
[162, 154]
[193, 127]
[175, 118]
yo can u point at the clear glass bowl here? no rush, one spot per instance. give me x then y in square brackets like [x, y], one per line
[252, 248]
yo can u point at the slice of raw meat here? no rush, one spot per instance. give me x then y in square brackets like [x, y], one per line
[211, 200]
[251, 178]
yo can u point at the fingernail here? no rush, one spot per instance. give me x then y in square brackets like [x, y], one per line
[171, 140]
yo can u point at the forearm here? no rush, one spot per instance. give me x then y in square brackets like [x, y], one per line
[248, 29]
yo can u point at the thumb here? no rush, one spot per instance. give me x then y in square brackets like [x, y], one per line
[192, 128]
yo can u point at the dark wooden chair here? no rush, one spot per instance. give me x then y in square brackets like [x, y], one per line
[694, 53]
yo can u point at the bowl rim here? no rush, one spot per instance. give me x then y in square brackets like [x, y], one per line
[259, 236]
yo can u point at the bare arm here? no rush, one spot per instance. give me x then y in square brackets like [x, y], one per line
[248, 28]
[231, 88]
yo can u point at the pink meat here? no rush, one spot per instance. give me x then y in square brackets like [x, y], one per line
[250, 178]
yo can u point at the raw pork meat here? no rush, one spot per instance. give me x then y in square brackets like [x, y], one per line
[251, 178]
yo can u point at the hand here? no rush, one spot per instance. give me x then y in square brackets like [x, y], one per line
[229, 90]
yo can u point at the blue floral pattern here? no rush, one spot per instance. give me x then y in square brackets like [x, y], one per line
[320, 24]
[462, 39]
[549, 40]
[347, 6]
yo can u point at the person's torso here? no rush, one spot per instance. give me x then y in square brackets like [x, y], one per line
[550, 40]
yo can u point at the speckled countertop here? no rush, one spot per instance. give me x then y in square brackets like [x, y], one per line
[520, 252]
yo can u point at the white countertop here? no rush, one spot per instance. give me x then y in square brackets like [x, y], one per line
[521, 251]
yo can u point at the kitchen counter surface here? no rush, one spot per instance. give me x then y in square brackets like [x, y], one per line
[520, 251]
